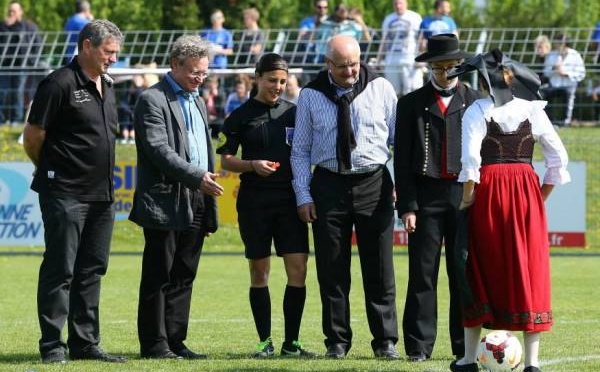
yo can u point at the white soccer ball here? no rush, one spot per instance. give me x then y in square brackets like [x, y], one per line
[499, 351]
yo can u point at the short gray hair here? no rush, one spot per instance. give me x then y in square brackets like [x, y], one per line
[98, 31]
[190, 46]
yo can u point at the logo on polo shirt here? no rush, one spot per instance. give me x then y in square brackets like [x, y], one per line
[81, 96]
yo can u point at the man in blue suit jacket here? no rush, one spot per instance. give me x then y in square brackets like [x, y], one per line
[174, 200]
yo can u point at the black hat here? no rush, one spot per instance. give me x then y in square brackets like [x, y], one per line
[442, 47]
[525, 84]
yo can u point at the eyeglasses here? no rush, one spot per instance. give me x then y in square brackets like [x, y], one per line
[322, 6]
[198, 75]
[346, 65]
[438, 70]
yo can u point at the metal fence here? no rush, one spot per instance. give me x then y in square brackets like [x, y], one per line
[27, 56]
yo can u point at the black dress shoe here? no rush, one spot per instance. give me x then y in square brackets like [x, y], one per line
[471, 367]
[532, 369]
[54, 356]
[186, 353]
[163, 354]
[387, 350]
[336, 351]
[417, 357]
[95, 353]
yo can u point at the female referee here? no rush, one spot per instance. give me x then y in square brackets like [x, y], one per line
[264, 127]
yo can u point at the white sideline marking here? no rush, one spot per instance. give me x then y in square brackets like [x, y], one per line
[582, 358]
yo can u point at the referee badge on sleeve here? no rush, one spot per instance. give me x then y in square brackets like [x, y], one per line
[289, 135]
[221, 139]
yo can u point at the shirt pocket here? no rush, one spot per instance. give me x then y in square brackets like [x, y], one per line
[371, 122]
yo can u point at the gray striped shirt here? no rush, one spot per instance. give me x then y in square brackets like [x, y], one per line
[373, 117]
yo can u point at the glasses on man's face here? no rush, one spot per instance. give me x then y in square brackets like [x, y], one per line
[344, 66]
[322, 7]
[439, 70]
[198, 75]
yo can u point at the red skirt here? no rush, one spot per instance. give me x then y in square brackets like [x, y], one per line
[508, 265]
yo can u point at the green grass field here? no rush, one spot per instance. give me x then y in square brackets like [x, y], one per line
[222, 326]
[221, 322]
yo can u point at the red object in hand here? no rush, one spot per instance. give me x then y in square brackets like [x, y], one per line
[276, 165]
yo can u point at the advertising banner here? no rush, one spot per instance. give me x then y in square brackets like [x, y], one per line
[21, 222]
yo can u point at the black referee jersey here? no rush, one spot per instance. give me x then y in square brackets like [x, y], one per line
[264, 132]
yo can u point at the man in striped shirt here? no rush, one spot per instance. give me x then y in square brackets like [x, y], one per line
[345, 126]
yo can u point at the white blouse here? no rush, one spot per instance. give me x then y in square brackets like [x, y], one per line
[509, 116]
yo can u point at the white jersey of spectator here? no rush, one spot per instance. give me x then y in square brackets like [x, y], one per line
[400, 47]
[400, 35]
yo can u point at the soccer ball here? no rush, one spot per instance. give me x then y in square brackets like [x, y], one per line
[499, 351]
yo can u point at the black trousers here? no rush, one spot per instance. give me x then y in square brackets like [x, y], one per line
[77, 237]
[365, 203]
[169, 267]
[438, 201]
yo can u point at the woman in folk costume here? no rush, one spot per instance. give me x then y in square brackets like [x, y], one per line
[507, 267]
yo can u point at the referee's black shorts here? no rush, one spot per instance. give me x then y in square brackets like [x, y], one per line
[269, 217]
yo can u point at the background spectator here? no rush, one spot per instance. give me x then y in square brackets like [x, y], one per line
[220, 38]
[337, 23]
[356, 14]
[542, 48]
[399, 48]
[306, 33]
[565, 69]
[17, 52]
[139, 83]
[310, 23]
[214, 98]
[253, 39]
[438, 23]
[83, 15]
[292, 89]
[239, 96]
[596, 43]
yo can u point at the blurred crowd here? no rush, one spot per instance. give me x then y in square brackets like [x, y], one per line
[402, 35]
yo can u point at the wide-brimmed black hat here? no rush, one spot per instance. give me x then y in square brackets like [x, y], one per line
[525, 84]
[442, 47]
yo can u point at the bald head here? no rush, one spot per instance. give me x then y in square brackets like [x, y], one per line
[343, 60]
[342, 46]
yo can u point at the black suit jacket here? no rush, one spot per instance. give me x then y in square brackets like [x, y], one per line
[420, 130]
[165, 177]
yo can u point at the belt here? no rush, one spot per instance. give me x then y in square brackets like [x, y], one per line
[363, 171]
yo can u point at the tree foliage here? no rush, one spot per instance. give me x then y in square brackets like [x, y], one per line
[50, 15]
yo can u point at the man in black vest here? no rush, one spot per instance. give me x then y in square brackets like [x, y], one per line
[426, 165]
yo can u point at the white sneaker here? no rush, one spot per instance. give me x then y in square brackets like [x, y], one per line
[131, 141]
[123, 141]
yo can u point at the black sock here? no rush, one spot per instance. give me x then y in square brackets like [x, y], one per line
[293, 307]
[260, 302]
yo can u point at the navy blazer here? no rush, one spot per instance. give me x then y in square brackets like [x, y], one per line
[165, 177]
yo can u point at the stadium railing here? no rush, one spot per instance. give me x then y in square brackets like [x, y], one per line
[36, 54]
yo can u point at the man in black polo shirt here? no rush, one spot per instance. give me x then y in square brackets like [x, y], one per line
[70, 137]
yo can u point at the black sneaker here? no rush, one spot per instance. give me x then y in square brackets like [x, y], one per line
[264, 349]
[295, 349]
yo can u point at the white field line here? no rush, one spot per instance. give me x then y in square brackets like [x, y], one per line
[581, 358]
